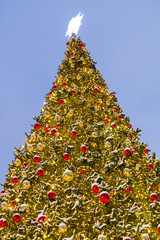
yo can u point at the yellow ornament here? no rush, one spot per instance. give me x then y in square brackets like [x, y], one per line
[127, 172]
[70, 113]
[107, 103]
[26, 184]
[107, 144]
[145, 236]
[138, 166]
[78, 77]
[62, 227]
[46, 114]
[102, 237]
[81, 124]
[68, 175]
[128, 142]
[17, 162]
[29, 147]
[40, 146]
[23, 174]
[4, 205]
[24, 208]
[94, 135]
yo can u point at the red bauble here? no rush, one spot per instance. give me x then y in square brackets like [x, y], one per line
[51, 195]
[73, 91]
[82, 171]
[40, 172]
[75, 47]
[128, 189]
[116, 109]
[66, 156]
[113, 125]
[113, 95]
[146, 150]
[150, 166]
[24, 165]
[37, 126]
[158, 228]
[3, 191]
[58, 125]
[53, 131]
[95, 90]
[72, 54]
[127, 151]
[154, 197]
[154, 186]
[14, 203]
[135, 149]
[83, 148]
[15, 180]
[119, 117]
[106, 121]
[74, 133]
[36, 159]
[47, 128]
[61, 101]
[3, 222]
[67, 43]
[130, 135]
[64, 84]
[49, 93]
[95, 188]
[127, 238]
[42, 218]
[129, 126]
[17, 218]
[78, 69]
[54, 87]
[81, 45]
[104, 197]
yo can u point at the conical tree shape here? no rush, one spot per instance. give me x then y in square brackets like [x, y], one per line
[82, 174]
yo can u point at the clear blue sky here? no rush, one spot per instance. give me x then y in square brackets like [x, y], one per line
[122, 36]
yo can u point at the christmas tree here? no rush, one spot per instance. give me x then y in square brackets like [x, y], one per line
[83, 172]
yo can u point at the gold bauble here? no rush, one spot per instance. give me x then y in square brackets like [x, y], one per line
[29, 147]
[46, 114]
[107, 103]
[102, 237]
[40, 146]
[17, 162]
[23, 174]
[138, 166]
[62, 227]
[26, 184]
[94, 134]
[128, 142]
[127, 172]
[145, 236]
[24, 207]
[107, 144]
[4, 205]
[70, 114]
[81, 124]
[68, 175]
[78, 77]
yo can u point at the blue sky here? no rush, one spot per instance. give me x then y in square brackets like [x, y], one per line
[122, 36]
